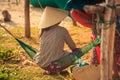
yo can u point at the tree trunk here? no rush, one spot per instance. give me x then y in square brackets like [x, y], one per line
[27, 19]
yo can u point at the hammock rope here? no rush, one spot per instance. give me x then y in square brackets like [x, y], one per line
[27, 48]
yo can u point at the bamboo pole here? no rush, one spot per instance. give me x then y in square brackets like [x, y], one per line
[27, 19]
[107, 43]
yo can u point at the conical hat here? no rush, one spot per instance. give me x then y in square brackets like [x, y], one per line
[52, 16]
[88, 72]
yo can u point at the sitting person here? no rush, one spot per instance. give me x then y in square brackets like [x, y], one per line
[51, 56]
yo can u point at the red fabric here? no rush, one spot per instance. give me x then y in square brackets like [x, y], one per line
[82, 18]
[119, 60]
[93, 37]
[117, 46]
[98, 52]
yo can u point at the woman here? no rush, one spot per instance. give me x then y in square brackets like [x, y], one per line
[51, 56]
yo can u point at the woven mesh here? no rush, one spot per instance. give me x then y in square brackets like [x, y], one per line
[28, 49]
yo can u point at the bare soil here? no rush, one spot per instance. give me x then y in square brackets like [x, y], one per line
[18, 17]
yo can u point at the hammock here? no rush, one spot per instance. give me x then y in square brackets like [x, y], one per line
[28, 49]
[31, 51]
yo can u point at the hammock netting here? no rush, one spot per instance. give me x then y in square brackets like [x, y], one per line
[74, 56]
[28, 49]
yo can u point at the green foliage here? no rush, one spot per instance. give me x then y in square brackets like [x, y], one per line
[9, 55]
[7, 72]
[3, 76]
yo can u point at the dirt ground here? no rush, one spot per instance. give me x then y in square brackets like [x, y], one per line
[17, 14]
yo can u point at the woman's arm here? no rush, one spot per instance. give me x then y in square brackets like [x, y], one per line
[69, 41]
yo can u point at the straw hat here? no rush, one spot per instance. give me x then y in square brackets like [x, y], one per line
[88, 72]
[52, 16]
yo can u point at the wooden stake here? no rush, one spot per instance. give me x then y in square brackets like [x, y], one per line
[107, 43]
[27, 19]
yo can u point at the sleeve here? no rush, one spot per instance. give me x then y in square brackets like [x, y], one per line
[68, 40]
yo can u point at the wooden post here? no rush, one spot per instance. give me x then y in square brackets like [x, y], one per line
[27, 19]
[107, 43]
